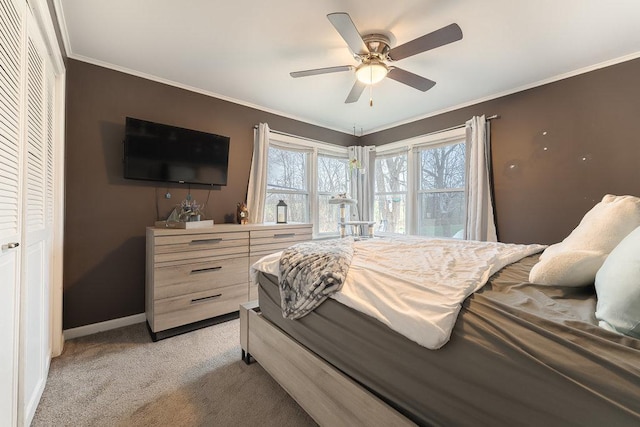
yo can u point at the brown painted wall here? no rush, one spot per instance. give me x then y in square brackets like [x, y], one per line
[540, 200]
[541, 195]
[106, 215]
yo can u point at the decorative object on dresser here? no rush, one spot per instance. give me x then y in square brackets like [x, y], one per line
[242, 213]
[207, 223]
[197, 277]
[188, 214]
[190, 210]
[281, 212]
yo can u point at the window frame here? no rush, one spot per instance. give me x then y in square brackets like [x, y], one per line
[412, 146]
[306, 192]
[418, 181]
[313, 148]
[406, 193]
[316, 222]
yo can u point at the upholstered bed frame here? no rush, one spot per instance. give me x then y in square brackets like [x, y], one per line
[561, 350]
[519, 354]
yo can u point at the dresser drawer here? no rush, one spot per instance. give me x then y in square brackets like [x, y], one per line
[281, 234]
[172, 312]
[196, 241]
[266, 249]
[176, 280]
[181, 245]
[237, 248]
[264, 242]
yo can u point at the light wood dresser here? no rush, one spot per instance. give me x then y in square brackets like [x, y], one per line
[202, 273]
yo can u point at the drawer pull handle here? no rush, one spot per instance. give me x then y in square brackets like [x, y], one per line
[202, 270]
[204, 299]
[283, 235]
[197, 242]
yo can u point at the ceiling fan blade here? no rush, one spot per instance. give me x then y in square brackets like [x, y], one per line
[444, 35]
[355, 93]
[410, 79]
[321, 71]
[347, 29]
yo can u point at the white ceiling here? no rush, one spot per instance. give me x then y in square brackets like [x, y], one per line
[243, 50]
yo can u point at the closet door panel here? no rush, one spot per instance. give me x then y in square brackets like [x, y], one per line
[28, 142]
[35, 280]
[10, 138]
[12, 59]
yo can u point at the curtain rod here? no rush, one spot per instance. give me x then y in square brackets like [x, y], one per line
[495, 116]
[255, 127]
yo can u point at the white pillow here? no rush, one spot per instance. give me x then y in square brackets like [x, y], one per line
[576, 260]
[618, 288]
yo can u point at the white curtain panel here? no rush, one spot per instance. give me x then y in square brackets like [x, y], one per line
[362, 179]
[480, 222]
[257, 190]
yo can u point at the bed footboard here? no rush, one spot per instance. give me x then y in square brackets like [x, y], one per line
[327, 395]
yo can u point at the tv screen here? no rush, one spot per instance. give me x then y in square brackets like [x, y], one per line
[158, 152]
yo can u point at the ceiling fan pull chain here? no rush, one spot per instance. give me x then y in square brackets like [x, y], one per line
[370, 95]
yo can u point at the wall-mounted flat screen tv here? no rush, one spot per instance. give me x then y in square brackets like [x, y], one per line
[157, 152]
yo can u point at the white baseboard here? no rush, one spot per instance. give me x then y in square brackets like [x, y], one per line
[94, 328]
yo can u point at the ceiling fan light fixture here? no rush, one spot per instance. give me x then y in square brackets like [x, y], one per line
[373, 51]
[371, 72]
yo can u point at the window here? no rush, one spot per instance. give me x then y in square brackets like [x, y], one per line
[420, 185]
[288, 180]
[390, 200]
[333, 179]
[441, 183]
[305, 174]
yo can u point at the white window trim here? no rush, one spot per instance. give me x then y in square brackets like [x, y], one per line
[316, 210]
[428, 139]
[313, 147]
[409, 146]
[309, 186]
[293, 142]
[398, 151]
[419, 191]
[406, 146]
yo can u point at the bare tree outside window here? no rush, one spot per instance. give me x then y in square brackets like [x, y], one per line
[287, 180]
[435, 174]
[441, 200]
[391, 194]
[333, 179]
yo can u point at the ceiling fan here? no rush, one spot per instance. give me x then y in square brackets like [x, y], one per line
[373, 53]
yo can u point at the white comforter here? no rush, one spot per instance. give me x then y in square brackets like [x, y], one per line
[416, 285]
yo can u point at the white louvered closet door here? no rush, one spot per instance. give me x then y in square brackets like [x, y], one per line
[11, 58]
[27, 208]
[36, 278]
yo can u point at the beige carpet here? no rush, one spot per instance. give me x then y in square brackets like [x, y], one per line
[122, 378]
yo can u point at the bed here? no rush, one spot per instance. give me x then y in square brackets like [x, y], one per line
[518, 354]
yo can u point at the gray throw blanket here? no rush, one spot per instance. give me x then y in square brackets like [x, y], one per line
[310, 272]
